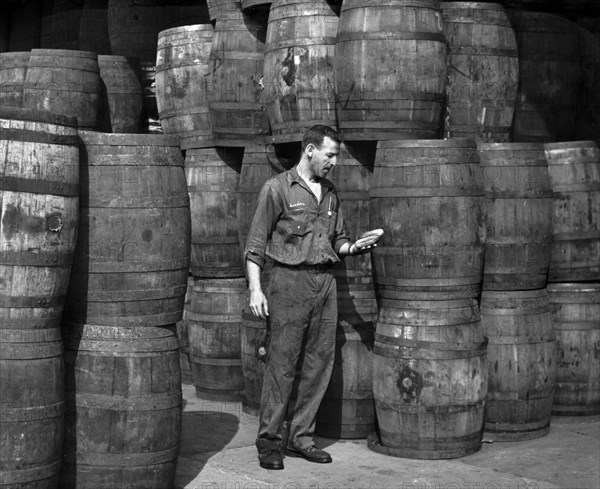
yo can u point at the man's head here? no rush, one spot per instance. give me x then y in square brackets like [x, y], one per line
[317, 133]
[320, 147]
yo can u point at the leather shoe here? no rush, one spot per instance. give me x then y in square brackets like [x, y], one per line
[271, 460]
[312, 454]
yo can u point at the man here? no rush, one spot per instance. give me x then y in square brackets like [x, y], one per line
[298, 224]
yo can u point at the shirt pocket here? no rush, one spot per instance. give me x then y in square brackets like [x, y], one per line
[299, 228]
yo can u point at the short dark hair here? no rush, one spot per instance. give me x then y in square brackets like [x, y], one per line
[316, 135]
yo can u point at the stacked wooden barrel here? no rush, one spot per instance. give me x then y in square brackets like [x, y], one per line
[574, 276]
[429, 355]
[39, 211]
[125, 296]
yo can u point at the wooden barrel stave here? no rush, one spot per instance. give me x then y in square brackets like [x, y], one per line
[518, 216]
[181, 90]
[576, 321]
[124, 407]
[483, 71]
[521, 363]
[39, 212]
[429, 378]
[133, 251]
[13, 68]
[214, 323]
[375, 99]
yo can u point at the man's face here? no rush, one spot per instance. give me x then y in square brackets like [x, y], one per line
[323, 160]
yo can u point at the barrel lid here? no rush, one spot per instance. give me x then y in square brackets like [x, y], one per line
[64, 52]
[186, 28]
[510, 146]
[26, 114]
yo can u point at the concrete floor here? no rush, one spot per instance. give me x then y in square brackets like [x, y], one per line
[217, 452]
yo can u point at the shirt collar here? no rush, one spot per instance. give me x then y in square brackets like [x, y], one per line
[294, 176]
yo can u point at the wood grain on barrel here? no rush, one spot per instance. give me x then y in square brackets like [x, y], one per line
[213, 176]
[483, 71]
[428, 196]
[39, 210]
[518, 215]
[521, 363]
[64, 81]
[124, 407]
[430, 378]
[390, 69]
[574, 169]
[298, 66]
[576, 320]
[133, 251]
[13, 68]
[181, 82]
[214, 324]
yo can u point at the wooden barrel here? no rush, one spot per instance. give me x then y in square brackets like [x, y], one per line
[13, 68]
[253, 333]
[133, 250]
[521, 363]
[181, 88]
[396, 94]
[238, 115]
[213, 176]
[124, 407]
[26, 25]
[348, 409]
[64, 82]
[121, 104]
[39, 210]
[483, 71]
[428, 196]
[574, 169]
[518, 216]
[213, 7]
[576, 320]
[429, 378]
[298, 66]
[60, 25]
[214, 324]
[93, 27]
[549, 77]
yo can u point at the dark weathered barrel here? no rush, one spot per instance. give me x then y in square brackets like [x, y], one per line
[124, 407]
[13, 68]
[574, 169]
[213, 176]
[181, 82]
[121, 104]
[549, 77]
[39, 178]
[184, 338]
[428, 196]
[237, 112]
[518, 201]
[521, 363]
[576, 321]
[133, 250]
[429, 378]
[65, 82]
[399, 92]
[26, 25]
[214, 323]
[298, 66]
[483, 71]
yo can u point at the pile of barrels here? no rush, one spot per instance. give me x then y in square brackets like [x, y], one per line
[121, 248]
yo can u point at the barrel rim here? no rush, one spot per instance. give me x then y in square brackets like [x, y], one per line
[127, 139]
[185, 28]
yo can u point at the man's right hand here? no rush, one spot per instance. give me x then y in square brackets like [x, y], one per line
[258, 304]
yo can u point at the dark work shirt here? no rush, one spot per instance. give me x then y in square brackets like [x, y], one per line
[291, 227]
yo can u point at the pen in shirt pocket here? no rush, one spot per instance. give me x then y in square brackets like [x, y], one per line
[329, 208]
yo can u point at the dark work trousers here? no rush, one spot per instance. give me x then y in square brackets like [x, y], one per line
[303, 316]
